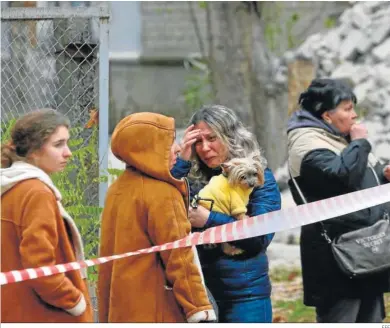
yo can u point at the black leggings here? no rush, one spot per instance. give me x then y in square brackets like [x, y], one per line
[366, 309]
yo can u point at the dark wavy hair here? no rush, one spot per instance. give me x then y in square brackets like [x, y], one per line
[324, 95]
[29, 133]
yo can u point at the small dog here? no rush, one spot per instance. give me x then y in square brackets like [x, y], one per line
[229, 192]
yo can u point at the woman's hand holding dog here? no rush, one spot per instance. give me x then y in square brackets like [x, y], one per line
[198, 216]
[189, 138]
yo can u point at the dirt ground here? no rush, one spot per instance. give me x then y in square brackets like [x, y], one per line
[287, 298]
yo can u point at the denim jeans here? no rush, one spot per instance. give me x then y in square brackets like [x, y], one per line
[245, 310]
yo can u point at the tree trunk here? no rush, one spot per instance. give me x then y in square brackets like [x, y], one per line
[230, 49]
[269, 100]
[242, 73]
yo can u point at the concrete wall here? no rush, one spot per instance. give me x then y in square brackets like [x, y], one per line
[152, 88]
[164, 30]
[167, 27]
[125, 26]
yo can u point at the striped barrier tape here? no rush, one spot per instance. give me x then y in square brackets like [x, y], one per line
[284, 219]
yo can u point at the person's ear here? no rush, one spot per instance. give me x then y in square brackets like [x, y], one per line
[326, 117]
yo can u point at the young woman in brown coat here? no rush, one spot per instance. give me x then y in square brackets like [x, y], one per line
[36, 231]
[144, 207]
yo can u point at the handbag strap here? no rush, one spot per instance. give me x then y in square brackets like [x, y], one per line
[386, 215]
[375, 175]
[303, 198]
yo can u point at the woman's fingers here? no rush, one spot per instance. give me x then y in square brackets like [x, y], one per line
[189, 138]
[189, 142]
[191, 127]
[191, 135]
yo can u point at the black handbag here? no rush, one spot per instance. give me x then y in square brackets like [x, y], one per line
[362, 252]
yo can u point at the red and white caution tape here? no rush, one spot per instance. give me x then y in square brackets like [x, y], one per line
[254, 226]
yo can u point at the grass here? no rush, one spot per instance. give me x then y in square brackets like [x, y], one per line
[283, 274]
[293, 311]
[287, 298]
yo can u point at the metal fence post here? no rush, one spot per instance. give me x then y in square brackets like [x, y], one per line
[103, 106]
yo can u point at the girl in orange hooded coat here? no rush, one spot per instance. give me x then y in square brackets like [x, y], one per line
[144, 207]
[36, 230]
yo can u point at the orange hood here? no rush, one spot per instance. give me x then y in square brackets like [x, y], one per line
[143, 141]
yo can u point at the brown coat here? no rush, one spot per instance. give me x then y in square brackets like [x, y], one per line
[145, 207]
[34, 234]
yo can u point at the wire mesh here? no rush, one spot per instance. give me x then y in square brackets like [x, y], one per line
[48, 64]
[53, 63]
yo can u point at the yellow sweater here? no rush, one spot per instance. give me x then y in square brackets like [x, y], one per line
[230, 200]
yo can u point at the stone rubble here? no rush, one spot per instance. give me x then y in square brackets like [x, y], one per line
[357, 50]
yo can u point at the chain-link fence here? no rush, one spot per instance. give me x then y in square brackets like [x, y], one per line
[58, 58]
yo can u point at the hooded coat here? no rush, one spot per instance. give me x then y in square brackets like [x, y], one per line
[145, 207]
[326, 164]
[36, 231]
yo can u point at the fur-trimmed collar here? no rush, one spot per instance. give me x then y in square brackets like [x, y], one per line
[20, 171]
[303, 140]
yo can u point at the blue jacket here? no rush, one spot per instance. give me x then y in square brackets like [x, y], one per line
[246, 275]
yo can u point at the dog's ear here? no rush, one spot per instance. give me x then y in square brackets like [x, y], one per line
[255, 156]
[259, 159]
[260, 177]
[226, 167]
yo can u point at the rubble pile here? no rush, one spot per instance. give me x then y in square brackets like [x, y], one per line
[357, 50]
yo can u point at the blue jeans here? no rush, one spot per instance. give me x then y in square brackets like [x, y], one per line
[245, 310]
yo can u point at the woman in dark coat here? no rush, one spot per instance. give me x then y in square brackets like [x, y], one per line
[329, 155]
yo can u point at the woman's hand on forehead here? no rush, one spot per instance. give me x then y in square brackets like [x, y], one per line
[191, 135]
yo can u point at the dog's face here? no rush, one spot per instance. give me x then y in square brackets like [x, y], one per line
[244, 171]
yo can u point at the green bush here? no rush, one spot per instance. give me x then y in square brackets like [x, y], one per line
[330, 22]
[74, 182]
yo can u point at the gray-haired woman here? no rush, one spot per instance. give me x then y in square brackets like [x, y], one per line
[240, 283]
